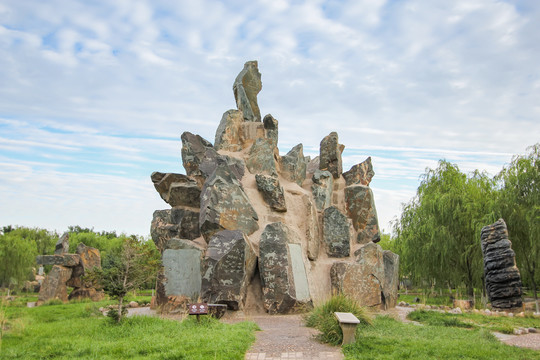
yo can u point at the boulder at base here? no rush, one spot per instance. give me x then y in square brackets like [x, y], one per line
[283, 275]
[229, 265]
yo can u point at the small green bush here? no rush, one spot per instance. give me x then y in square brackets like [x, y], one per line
[322, 317]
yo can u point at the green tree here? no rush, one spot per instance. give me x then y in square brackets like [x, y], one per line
[17, 258]
[519, 204]
[438, 233]
[126, 270]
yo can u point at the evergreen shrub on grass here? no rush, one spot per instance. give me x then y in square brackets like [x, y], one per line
[322, 317]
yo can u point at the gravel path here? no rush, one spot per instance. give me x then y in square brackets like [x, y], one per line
[286, 337]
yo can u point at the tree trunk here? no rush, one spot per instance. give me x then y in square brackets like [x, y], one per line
[535, 294]
[120, 308]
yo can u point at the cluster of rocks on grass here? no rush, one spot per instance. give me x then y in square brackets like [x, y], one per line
[460, 310]
[252, 228]
[69, 270]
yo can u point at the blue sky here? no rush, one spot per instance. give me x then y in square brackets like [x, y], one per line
[95, 94]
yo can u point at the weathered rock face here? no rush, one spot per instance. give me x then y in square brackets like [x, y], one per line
[229, 265]
[360, 173]
[361, 208]
[54, 286]
[330, 155]
[195, 150]
[228, 131]
[272, 192]
[365, 279]
[224, 205]
[62, 245]
[336, 233]
[322, 188]
[271, 129]
[177, 189]
[175, 222]
[503, 280]
[246, 87]
[283, 276]
[281, 210]
[261, 158]
[293, 165]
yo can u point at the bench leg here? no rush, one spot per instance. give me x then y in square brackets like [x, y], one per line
[348, 333]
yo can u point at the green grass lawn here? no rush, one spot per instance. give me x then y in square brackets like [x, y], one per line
[79, 331]
[390, 339]
[471, 320]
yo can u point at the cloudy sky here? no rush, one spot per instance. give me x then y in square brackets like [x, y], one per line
[95, 94]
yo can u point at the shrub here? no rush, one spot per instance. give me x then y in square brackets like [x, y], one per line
[322, 317]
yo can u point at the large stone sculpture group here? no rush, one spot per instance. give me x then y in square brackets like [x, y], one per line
[254, 229]
[69, 270]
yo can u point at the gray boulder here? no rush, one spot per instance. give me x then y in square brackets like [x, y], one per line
[283, 275]
[261, 158]
[271, 191]
[229, 265]
[246, 87]
[293, 165]
[322, 188]
[503, 280]
[361, 209]
[177, 189]
[336, 233]
[360, 173]
[225, 205]
[330, 155]
[54, 285]
[209, 164]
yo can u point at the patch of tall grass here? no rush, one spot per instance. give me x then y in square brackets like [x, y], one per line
[322, 317]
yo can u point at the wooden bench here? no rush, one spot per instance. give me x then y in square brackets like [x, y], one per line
[348, 323]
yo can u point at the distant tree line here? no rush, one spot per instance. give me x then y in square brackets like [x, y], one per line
[19, 247]
[438, 233]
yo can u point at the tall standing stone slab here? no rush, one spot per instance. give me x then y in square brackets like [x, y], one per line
[360, 173]
[225, 205]
[246, 87]
[283, 284]
[322, 188]
[313, 235]
[293, 165]
[361, 209]
[271, 129]
[330, 155]
[182, 269]
[503, 280]
[336, 233]
[54, 286]
[391, 278]
[229, 265]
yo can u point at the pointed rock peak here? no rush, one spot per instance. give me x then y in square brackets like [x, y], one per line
[62, 245]
[246, 87]
[360, 173]
[330, 155]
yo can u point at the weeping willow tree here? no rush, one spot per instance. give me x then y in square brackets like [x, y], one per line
[438, 233]
[519, 204]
